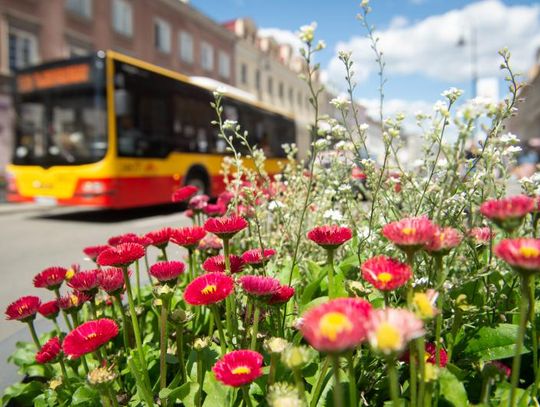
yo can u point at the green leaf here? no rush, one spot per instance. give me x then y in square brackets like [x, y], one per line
[492, 343]
[22, 393]
[311, 289]
[503, 394]
[85, 395]
[217, 394]
[452, 389]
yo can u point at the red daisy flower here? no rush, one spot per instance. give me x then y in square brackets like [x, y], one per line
[185, 193]
[111, 280]
[198, 202]
[357, 173]
[189, 213]
[50, 278]
[502, 368]
[49, 309]
[444, 240]
[481, 236]
[208, 289]
[217, 209]
[259, 286]
[385, 273]
[49, 351]
[281, 296]
[188, 237]
[210, 242]
[238, 368]
[330, 236]
[523, 254]
[24, 309]
[255, 257]
[337, 325]
[166, 271]
[160, 238]
[74, 301]
[225, 227]
[116, 240]
[133, 238]
[225, 198]
[93, 251]
[430, 355]
[508, 212]
[86, 281]
[122, 255]
[410, 233]
[515, 206]
[245, 211]
[89, 336]
[216, 264]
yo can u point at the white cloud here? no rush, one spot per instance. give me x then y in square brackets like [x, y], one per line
[282, 37]
[429, 47]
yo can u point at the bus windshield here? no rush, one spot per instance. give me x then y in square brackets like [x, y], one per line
[61, 127]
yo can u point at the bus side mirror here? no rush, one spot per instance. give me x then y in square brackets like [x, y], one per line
[122, 102]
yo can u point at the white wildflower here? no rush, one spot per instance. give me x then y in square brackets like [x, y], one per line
[273, 205]
[230, 124]
[334, 215]
[509, 138]
[340, 102]
[307, 32]
[452, 94]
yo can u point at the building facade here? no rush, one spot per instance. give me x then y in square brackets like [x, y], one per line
[169, 33]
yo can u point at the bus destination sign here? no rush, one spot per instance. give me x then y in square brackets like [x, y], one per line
[53, 77]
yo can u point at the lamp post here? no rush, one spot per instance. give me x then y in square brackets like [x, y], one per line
[473, 43]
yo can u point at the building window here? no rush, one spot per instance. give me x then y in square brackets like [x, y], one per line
[291, 96]
[162, 35]
[207, 56]
[270, 85]
[82, 8]
[22, 49]
[243, 74]
[258, 79]
[186, 47]
[280, 90]
[122, 14]
[76, 51]
[224, 64]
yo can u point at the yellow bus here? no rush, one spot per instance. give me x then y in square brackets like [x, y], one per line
[112, 131]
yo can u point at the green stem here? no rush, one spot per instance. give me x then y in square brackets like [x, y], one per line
[117, 301]
[57, 327]
[164, 254]
[138, 281]
[330, 262]
[523, 317]
[180, 351]
[319, 384]
[352, 380]
[247, 399]
[217, 320]
[147, 268]
[273, 368]
[412, 353]
[532, 320]
[93, 308]
[338, 391]
[34, 334]
[420, 348]
[64, 313]
[486, 390]
[135, 323]
[199, 379]
[111, 395]
[256, 316]
[299, 383]
[393, 382]
[63, 368]
[191, 265]
[163, 348]
[439, 268]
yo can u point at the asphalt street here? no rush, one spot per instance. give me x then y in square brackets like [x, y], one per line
[33, 238]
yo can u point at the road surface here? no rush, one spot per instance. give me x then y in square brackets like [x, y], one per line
[33, 238]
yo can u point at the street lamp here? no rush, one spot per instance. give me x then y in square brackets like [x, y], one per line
[472, 41]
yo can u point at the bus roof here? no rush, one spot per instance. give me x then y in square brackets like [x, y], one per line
[200, 82]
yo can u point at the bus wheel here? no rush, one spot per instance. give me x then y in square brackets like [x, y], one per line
[199, 180]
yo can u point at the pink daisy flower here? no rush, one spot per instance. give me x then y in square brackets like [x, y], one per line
[238, 368]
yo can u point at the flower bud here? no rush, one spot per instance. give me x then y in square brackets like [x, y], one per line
[275, 345]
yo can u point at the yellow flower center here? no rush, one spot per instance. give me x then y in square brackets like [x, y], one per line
[529, 252]
[333, 324]
[74, 300]
[69, 274]
[384, 277]
[91, 336]
[408, 231]
[388, 337]
[209, 289]
[22, 309]
[423, 305]
[241, 370]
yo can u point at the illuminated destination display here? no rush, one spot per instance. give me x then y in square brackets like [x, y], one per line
[53, 77]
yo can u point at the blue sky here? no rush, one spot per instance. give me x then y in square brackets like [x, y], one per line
[419, 38]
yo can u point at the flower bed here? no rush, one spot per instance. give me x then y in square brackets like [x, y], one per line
[295, 292]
